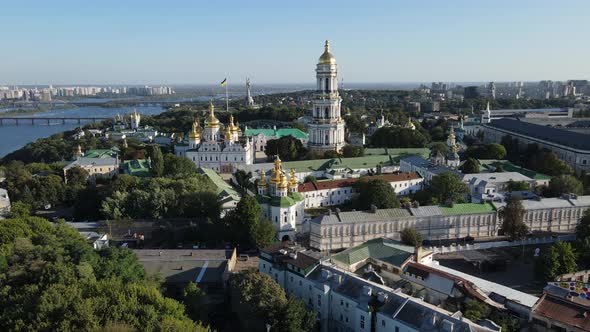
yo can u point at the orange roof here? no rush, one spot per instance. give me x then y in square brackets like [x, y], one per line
[563, 311]
[342, 183]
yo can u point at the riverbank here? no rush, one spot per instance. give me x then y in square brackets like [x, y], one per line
[31, 111]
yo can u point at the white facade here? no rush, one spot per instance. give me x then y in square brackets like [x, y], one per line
[336, 192]
[281, 202]
[223, 151]
[326, 131]
[4, 203]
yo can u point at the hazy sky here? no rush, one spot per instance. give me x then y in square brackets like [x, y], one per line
[280, 41]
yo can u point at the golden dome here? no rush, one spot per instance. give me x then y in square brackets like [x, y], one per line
[293, 178]
[211, 121]
[232, 126]
[262, 181]
[275, 176]
[195, 131]
[327, 58]
[284, 183]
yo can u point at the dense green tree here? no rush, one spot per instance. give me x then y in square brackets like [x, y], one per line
[20, 210]
[495, 151]
[287, 148]
[583, 227]
[512, 216]
[195, 301]
[439, 147]
[157, 160]
[447, 187]
[243, 180]
[410, 236]
[375, 192]
[476, 310]
[470, 166]
[54, 281]
[243, 220]
[565, 184]
[559, 259]
[517, 185]
[175, 166]
[258, 300]
[77, 176]
[263, 234]
[351, 151]
[396, 137]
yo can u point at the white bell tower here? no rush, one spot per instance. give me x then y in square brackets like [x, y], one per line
[326, 131]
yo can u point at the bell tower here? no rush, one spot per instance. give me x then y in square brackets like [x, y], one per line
[326, 131]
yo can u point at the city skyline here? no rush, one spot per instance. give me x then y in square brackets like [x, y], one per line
[145, 43]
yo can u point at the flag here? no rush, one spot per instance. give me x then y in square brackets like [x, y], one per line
[224, 82]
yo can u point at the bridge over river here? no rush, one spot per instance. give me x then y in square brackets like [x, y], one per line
[17, 120]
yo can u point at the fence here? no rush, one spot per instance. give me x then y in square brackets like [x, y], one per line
[501, 244]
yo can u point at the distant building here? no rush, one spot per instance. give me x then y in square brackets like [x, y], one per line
[221, 149]
[489, 115]
[4, 203]
[471, 92]
[571, 147]
[98, 163]
[492, 186]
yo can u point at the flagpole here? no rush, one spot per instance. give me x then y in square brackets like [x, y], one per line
[226, 97]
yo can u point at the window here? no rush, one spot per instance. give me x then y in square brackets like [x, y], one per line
[383, 322]
[341, 317]
[362, 322]
[264, 266]
[396, 329]
[341, 302]
[300, 283]
[291, 278]
[319, 300]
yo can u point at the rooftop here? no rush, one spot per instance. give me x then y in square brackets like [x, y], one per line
[496, 177]
[564, 311]
[224, 190]
[281, 132]
[550, 134]
[341, 183]
[381, 249]
[101, 153]
[137, 167]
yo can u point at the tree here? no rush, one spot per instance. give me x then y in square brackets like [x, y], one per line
[565, 184]
[310, 178]
[396, 137]
[243, 220]
[512, 219]
[517, 185]
[559, 259]
[495, 151]
[157, 160]
[410, 236]
[351, 151]
[195, 302]
[243, 180]
[447, 187]
[583, 227]
[20, 210]
[287, 147]
[259, 300]
[475, 310]
[375, 192]
[263, 234]
[77, 176]
[439, 147]
[470, 166]
[175, 166]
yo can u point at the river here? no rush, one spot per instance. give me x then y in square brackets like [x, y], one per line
[14, 137]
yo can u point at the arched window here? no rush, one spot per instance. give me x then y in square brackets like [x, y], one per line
[327, 84]
[327, 113]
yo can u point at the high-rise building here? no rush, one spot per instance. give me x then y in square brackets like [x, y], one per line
[326, 131]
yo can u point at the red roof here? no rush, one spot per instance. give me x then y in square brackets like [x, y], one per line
[342, 183]
[563, 311]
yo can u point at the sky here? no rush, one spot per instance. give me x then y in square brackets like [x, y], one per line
[201, 42]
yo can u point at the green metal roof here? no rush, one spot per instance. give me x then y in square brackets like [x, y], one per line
[222, 188]
[290, 200]
[137, 167]
[401, 152]
[101, 153]
[467, 208]
[278, 133]
[381, 249]
[324, 164]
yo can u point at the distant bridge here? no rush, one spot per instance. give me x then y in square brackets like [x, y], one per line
[48, 120]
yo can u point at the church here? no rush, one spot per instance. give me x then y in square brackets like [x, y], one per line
[221, 149]
[281, 201]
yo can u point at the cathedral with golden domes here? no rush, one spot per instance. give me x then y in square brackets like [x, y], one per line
[221, 148]
[281, 201]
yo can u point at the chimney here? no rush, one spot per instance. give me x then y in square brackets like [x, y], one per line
[418, 253]
[373, 208]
